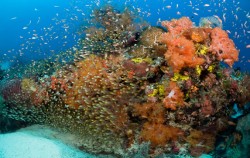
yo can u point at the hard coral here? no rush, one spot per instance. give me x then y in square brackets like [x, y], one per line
[28, 85]
[12, 91]
[136, 69]
[174, 96]
[223, 47]
[207, 108]
[150, 39]
[200, 142]
[244, 87]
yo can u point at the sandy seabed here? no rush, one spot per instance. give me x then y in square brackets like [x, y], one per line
[37, 142]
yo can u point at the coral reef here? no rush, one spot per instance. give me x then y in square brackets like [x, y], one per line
[113, 32]
[130, 89]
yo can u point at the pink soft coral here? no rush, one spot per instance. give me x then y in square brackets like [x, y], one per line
[176, 27]
[223, 47]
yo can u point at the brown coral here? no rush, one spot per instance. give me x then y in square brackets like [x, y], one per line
[153, 112]
[159, 134]
[200, 142]
[207, 108]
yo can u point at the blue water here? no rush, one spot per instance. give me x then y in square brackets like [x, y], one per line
[48, 19]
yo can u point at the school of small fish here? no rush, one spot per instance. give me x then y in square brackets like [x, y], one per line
[64, 27]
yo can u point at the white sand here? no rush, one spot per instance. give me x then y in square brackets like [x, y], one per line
[27, 144]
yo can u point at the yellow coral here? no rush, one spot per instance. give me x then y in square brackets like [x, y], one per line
[161, 90]
[211, 68]
[28, 85]
[140, 60]
[179, 77]
[202, 49]
[198, 70]
[154, 93]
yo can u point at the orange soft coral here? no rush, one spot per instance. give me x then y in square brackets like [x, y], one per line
[180, 53]
[176, 27]
[223, 47]
[174, 96]
[89, 77]
[153, 112]
[159, 134]
[100, 93]
[200, 35]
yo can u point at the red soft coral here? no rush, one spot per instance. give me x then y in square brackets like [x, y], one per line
[223, 47]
